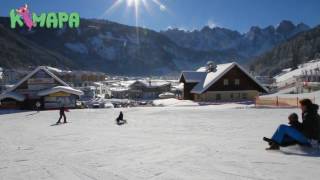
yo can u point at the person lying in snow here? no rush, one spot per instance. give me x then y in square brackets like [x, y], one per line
[120, 120]
[303, 133]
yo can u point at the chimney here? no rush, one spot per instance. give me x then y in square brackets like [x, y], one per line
[211, 67]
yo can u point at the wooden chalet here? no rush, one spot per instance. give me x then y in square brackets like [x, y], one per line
[223, 82]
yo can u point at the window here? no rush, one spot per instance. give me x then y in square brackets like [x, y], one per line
[226, 82]
[218, 96]
[244, 96]
[237, 82]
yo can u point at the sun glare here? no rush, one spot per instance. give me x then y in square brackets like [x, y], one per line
[136, 5]
[133, 2]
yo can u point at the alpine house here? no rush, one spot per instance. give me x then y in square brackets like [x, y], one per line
[223, 82]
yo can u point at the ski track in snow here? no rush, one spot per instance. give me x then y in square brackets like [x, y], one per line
[158, 143]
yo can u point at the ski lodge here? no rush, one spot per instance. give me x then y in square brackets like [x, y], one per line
[40, 87]
[223, 82]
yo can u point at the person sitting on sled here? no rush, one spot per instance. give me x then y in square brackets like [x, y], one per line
[301, 133]
[120, 119]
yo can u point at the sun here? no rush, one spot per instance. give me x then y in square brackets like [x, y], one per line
[135, 3]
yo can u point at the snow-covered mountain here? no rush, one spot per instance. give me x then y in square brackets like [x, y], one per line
[205, 39]
[252, 43]
[101, 45]
[297, 50]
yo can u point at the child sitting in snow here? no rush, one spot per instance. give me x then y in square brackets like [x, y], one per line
[287, 138]
[294, 122]
[306, 134]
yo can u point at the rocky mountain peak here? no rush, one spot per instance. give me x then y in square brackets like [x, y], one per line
[254, 30]
[302, 27]
[257, 40]
[285, 27]
[270, 29]
[206, 29]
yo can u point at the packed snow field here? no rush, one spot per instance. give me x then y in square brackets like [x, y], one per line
[167, 143]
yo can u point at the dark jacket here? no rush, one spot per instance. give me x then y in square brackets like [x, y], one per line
[62, 109]
[310, 127]
[120, 116]
[297, 125]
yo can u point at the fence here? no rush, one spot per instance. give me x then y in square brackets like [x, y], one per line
[279, 101]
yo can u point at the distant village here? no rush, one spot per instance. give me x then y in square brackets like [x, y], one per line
[47, 87]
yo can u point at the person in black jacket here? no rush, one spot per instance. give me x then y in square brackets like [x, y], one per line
[310, 119]
[303, 133]
[62, 114]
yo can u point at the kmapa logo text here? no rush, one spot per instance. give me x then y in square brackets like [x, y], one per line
[22, 16]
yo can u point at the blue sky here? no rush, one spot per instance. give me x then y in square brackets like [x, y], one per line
[186, 14]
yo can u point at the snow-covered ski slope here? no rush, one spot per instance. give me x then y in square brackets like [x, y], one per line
[164, 143]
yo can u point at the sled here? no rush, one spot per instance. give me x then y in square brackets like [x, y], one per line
[122, 122]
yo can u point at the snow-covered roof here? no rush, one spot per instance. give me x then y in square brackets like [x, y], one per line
[13, 95]
[297, 72]
[54, 69]
[180, 86]
[193, 76]
[212, 77]
[151, 83]
[125, 83]
[98, 83]
[119, 89]
[66, 89]
[44, 68]
[202, 69]
[204, 80]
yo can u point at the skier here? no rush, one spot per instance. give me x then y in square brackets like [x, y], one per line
[120, 120]
[305, 134]
[62, 114]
